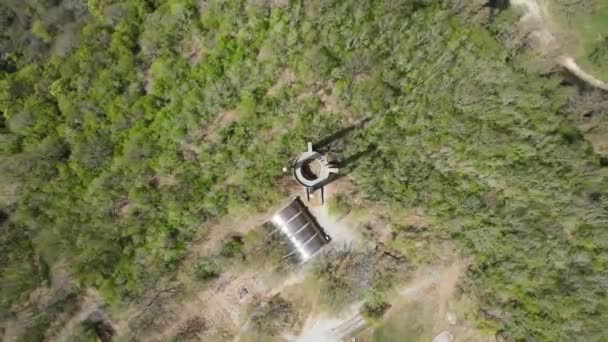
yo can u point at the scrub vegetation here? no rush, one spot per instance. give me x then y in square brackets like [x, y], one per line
[129, 127]
[272, 317]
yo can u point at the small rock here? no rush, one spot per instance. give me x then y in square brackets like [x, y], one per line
[243, 292]
[451, 318]
[444, 337]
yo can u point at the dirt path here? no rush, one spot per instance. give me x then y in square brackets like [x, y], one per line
[43, 297]
[537, 16]
[328, 328]
[90, 304]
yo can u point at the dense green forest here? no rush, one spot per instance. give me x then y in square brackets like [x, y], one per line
[128, 127]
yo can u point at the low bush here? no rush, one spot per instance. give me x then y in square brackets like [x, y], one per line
[232, 247]
[343, 275]
[273, 317]
[206, 270]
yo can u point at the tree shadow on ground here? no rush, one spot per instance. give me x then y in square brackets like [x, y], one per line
[347, 165]
[324, 144]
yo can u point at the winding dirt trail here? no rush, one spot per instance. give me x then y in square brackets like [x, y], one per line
[88, 308]
[537, 16]
[91, 303]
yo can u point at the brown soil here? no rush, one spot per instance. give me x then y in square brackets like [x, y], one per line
[599, 142]
[221, 306]
[90, 304]
[191, 48]
[448, 286]
[147, 81]
[164, 181]
[287, 79]
[210, 132]
[325, 92]
[232, 224]
[222, 120]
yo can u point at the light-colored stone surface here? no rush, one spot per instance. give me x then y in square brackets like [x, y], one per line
[451, 318]
[445, 336]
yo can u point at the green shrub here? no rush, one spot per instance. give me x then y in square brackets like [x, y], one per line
[343, 274]
[206, 270]
[273, 317]
[373, 309]
[265, 252]
[232, 247]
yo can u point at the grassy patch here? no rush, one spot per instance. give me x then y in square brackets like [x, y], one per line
[411, 323]
[588, 20]
[340, 205]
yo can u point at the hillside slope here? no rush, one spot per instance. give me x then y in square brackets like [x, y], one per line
[128, 148]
